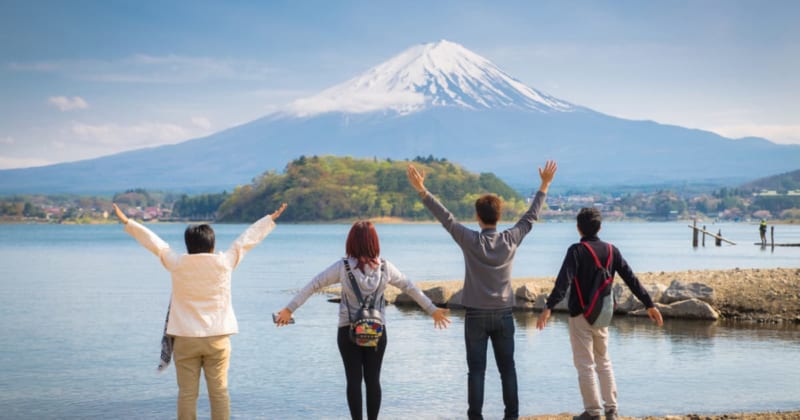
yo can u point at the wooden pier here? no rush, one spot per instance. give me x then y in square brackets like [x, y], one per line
[772, 243]
[696, 233]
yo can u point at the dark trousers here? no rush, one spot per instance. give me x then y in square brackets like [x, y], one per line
[480, 326]
[362, 363]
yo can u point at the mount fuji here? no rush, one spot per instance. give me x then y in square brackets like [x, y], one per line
[430, 75]
[437, 99]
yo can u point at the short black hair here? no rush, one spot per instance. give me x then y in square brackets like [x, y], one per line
[589, 220]
[199, 239]
[488, 207]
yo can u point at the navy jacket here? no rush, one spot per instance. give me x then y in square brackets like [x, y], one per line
[579, 263]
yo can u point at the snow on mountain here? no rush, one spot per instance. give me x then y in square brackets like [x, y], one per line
[434, 74]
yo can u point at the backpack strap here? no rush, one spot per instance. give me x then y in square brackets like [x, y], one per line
[353, 282]
[599, 267]
[597, 260]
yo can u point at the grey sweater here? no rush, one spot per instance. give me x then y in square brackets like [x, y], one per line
[488, 255]
[370, 281]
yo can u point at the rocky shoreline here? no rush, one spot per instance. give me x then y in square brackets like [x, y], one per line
[751, 295]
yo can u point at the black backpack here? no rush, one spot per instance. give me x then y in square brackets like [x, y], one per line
[599, 309]
[366, 326]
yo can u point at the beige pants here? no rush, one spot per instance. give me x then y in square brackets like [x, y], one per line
[590, 355]
[212, 355]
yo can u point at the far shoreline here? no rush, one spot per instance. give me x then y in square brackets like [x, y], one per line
[380, 220]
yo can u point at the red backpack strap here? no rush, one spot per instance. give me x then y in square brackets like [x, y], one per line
[597, 260]
[599, 266]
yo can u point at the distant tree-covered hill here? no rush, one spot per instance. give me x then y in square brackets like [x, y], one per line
[325, 188]
[782, 183]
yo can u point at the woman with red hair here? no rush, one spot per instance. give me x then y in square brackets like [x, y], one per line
[371, 274]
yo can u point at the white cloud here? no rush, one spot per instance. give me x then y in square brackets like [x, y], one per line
[65, 103]
[778, 133]
[143, 68]
[125, 137]
[202, 122]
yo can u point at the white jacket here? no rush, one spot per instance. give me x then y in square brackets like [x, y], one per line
[201, 283]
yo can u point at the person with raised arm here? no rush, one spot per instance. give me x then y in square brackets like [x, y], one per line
[487, 293]
[200, 318]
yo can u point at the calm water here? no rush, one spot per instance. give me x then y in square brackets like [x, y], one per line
[83, 307]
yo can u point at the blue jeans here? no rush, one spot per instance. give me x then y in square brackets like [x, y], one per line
[481, 325]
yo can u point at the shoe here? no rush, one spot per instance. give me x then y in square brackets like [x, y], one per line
[611, 414]
[585, 416]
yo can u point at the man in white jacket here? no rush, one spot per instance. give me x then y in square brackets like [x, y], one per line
[201, 317]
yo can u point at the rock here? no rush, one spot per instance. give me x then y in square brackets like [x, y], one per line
[455, 300]
[526, 292]
[439, 295]
[678, 291]
[627, 302]
[687, 309]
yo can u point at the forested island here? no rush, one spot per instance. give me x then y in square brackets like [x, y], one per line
[332, 188]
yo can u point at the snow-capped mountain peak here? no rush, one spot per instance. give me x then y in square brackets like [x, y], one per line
[443, 73]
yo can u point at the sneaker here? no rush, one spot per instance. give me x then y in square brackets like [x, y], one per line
[585, 416]
[611, 414]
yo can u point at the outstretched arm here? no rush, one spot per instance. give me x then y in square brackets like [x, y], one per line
[417, 180]
[146, 238]
[541, 322]
[655, 315]
[440, 319]
[547, 174]
[277, 213]
[284, 316]
[252, 236]
[458, 231]
[559, 291]
[120, 215]
[329, 276]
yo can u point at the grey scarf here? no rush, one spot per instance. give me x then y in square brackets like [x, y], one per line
[167, 342]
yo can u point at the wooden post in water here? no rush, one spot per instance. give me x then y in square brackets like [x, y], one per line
[694, 234]
[772, 236]
[704, 236]
[718, 240]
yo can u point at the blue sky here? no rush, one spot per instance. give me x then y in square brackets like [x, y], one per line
[80, 79]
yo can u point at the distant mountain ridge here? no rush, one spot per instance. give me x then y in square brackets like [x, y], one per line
[789, 181]
[435, 99]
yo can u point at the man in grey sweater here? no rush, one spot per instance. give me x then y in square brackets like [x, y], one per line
[487, 293]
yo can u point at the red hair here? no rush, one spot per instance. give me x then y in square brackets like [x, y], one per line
[362, 244]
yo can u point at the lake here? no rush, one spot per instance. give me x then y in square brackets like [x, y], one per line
[83, 310]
